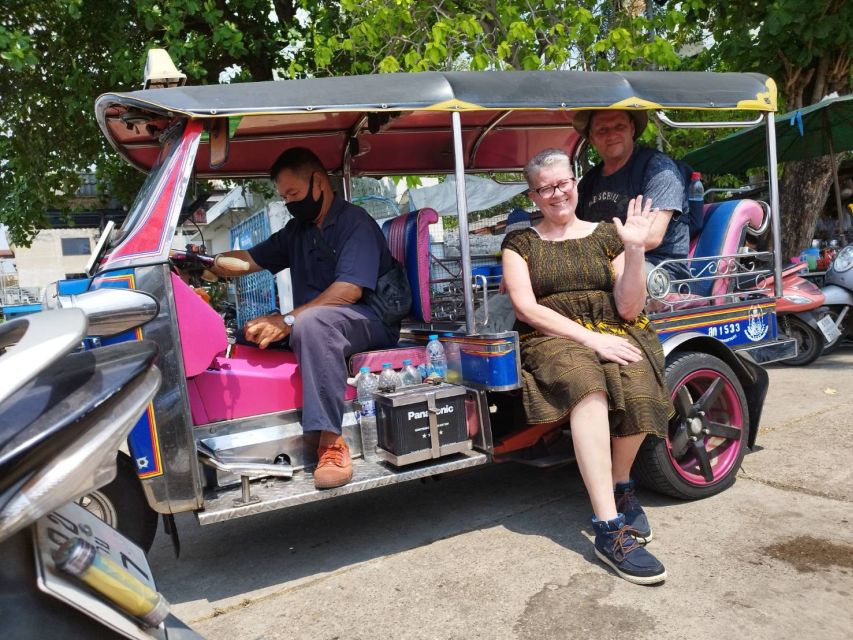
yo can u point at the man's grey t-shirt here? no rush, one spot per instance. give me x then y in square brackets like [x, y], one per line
[607, 198]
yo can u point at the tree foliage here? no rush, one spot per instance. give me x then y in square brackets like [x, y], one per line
[56, 56]
[806, 46]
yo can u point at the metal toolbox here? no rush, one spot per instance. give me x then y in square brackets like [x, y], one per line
[421, 422]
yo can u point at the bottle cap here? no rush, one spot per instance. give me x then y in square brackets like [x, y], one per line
[434, 336]
[695, 175]
[407, 362]
[365, 369]
[386, 365]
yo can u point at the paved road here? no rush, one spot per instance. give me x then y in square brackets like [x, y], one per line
[504, 552]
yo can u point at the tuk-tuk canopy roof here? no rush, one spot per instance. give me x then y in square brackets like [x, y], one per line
[401, 121]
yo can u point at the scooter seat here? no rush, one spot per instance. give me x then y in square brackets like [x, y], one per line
[62, 394]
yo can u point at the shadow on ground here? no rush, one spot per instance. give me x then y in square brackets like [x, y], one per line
[329, 536]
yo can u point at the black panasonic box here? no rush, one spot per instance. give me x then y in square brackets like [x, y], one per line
[421, 422]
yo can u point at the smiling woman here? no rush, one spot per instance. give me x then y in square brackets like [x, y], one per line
[588, 354]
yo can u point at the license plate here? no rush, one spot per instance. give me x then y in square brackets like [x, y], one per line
[828, 328]
[73, 521]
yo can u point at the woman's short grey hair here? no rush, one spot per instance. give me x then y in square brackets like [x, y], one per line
[546, 158]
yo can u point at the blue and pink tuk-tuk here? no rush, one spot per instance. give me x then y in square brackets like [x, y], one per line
[222, 438]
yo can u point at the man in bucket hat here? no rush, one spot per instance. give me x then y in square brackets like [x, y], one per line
[628, 170]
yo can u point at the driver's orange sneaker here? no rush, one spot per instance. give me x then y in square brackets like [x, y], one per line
[334, 465]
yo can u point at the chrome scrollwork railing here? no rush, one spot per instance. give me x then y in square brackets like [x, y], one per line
[674, 285]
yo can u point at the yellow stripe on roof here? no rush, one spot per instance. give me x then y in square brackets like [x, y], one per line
[635, 103]
[454, 105]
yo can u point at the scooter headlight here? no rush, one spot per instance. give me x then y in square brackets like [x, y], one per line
[844, 260]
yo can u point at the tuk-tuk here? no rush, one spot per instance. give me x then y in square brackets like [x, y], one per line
[222, 438]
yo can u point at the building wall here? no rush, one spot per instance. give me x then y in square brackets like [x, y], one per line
[43, 261]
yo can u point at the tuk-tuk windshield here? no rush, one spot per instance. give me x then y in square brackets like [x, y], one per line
[144, 199]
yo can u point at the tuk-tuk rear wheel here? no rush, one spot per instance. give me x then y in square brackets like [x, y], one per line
[707, 436]
[122, 505]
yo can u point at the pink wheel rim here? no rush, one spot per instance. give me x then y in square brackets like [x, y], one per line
[723, 417]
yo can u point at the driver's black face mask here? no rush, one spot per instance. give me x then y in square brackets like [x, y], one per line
[306, 210]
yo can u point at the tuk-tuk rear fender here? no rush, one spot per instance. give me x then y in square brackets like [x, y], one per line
[752, 377]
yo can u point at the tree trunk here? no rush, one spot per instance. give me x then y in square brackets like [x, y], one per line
[803, 190]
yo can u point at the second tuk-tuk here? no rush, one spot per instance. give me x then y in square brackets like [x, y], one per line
[226, 417]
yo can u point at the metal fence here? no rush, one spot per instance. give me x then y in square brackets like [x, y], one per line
[255, 292]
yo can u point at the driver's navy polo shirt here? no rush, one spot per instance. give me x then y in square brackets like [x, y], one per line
[361, 253]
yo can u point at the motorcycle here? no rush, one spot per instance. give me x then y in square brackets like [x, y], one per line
[64, 413]
[799, 313]
[838, 291]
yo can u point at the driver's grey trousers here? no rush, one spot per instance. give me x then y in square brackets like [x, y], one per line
[322, 339]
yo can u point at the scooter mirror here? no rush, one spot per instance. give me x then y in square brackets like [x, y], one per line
[113, 311]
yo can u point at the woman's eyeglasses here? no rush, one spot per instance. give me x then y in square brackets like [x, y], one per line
[550, 189]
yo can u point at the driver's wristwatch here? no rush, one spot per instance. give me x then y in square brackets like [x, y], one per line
[289, 319]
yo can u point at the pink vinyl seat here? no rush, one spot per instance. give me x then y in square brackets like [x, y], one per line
[251, 382]
[723, 234]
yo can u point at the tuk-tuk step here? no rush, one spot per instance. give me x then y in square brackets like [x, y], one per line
[279, 494]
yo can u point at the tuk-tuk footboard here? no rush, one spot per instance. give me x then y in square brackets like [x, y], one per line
[274, 493]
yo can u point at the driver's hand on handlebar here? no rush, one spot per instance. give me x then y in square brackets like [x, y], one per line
[614, 348]
[265, 330]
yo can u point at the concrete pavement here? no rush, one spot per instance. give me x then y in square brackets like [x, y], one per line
[504, 552]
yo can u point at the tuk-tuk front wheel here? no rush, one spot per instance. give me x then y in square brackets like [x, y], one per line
[707, 436]
[122, 505]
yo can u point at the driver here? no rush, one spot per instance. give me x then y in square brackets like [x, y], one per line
[335, 251]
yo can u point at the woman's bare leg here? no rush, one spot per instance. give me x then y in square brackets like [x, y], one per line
[624, 451]
[591, 439]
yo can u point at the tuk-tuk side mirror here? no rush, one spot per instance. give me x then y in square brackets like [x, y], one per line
[217, 130]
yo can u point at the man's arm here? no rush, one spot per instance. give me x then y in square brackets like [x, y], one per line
[658, 230]
[232, 268]
[272, 328]
[662, 185]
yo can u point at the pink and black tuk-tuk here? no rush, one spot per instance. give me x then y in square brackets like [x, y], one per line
[222, 438]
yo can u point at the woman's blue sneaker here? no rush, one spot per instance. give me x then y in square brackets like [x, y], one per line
[615, 545]
[635, 517]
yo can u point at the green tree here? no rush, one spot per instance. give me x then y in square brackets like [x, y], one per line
[805, 45]
[414, 35]
[57, 56]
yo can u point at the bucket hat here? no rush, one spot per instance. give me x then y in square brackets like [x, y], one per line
[582, 119]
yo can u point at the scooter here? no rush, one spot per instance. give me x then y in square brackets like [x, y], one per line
[798, 314]
[64, 413]
[838, 292]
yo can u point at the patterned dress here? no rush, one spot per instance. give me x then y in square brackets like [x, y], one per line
[575, 278]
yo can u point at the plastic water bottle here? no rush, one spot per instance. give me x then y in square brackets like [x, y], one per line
[365, 384]
[454, 359]
[436, 358]
[410, 374]
[696, 200]
[388, 379]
